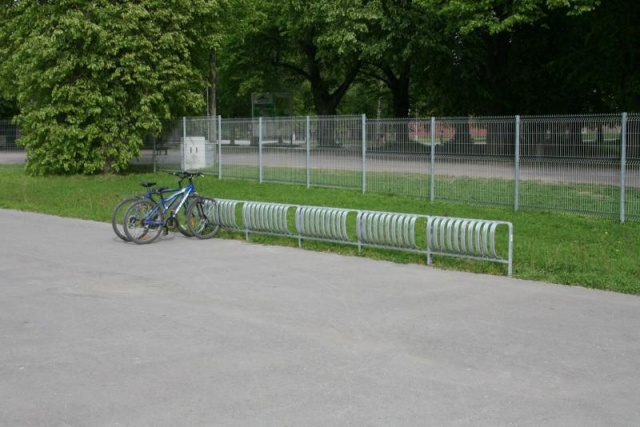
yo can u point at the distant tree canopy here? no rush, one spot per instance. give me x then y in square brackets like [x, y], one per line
[451, 57]
[91, 79]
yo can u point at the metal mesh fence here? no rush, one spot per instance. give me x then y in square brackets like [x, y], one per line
[475, 160]
[571, 164]
[10, 151]
[588, 164]
[238, 149]
[335, 151]
[631, 196]
[283, 150]
[398, 157]
[9, 134]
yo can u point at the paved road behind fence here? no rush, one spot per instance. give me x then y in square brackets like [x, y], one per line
[95, 331]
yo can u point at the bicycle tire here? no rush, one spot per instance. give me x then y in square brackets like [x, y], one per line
[135, 226]
[117, 217]
[181, 220]
[202, 218]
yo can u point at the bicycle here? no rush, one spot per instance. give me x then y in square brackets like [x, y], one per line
[117, 217]
[145, 219]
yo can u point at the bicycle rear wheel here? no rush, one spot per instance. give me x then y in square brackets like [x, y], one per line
[202, 218]
[143, 222]
[117, 218]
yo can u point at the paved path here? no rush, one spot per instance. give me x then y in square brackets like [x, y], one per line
[98, 332]
[12, 157]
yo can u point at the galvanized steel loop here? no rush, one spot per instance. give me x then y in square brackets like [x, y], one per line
[446, 236]
[322, 223]
[266, 217]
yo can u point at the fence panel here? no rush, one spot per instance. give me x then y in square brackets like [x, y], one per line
[284, 150]
[189, 144]
[632, 171]
[165, 151]
[239, 150]
[10, 151]
[336, 152]
[398, 157]
[475, 160]
[9, 134]
[571, 164]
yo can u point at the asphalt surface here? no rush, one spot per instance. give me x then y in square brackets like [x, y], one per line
[98, 332]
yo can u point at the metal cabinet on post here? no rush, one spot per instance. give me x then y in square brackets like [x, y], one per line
[197, 153]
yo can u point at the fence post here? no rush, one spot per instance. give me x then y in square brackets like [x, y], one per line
[432, 189]
[517, 166]
[623, 167]
[219, 147]
[308, 139]
[364, 153]
[184, 141]
[260, 149]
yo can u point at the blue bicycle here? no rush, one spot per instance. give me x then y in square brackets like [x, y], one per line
[147, 218]
[117, 217]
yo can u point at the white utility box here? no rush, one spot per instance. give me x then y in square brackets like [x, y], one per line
[197, 153]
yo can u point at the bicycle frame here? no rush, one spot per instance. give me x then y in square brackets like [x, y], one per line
[182, 195]
[165, 204]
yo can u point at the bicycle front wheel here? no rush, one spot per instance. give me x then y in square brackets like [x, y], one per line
[202, 218]
[117, 218]
[143, 222]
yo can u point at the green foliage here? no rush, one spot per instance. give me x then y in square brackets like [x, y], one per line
[506, 58]
[93, 78]
[312, 44]
[401, 36]
[498, 16]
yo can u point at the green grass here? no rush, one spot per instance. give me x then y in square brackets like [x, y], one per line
[556, 248]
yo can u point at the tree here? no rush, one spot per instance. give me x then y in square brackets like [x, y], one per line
[500, 59]
[399, 42]
[317, 42]
[497, 16]
[93, 78]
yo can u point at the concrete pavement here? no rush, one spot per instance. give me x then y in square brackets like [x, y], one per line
[98, 332]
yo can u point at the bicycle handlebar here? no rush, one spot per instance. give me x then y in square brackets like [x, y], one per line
[186, 174]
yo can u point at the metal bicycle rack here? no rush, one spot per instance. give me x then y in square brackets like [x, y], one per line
[476, 239]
